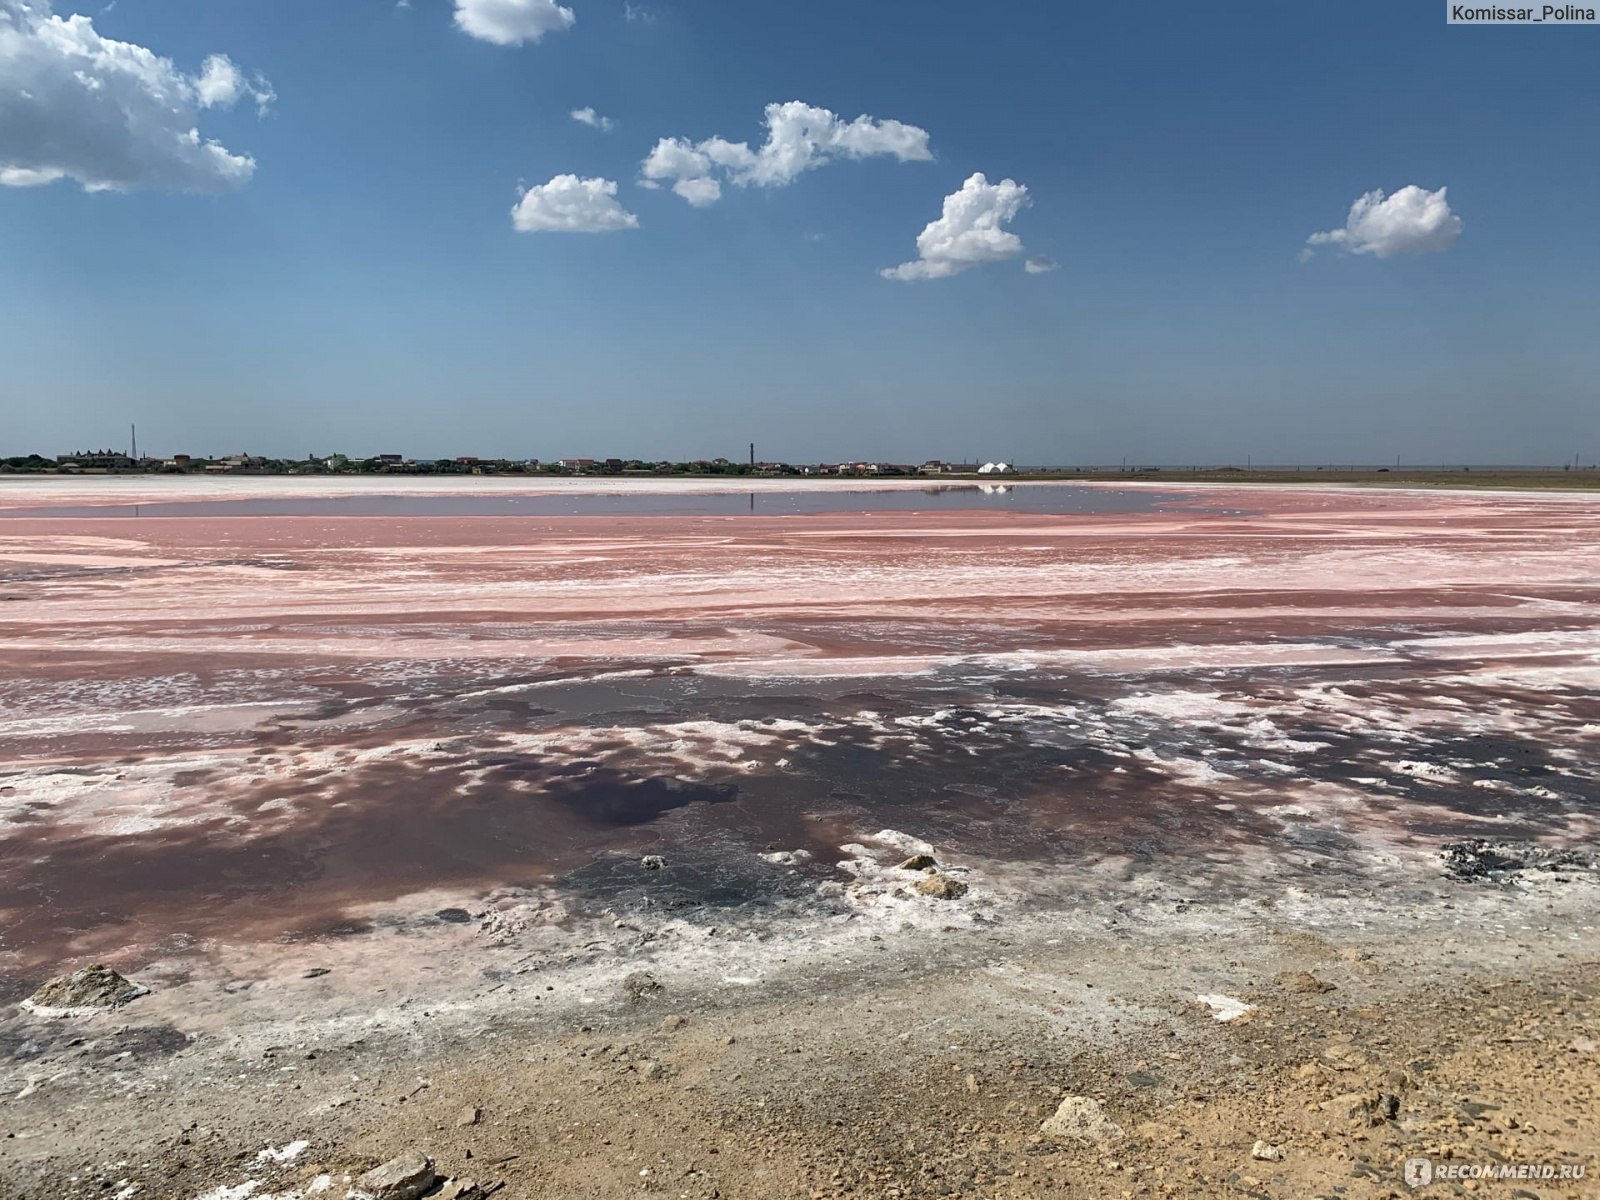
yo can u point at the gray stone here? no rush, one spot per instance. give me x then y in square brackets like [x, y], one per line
[919, 862]
[941, 887]
[403, 1178]
[1364, 1108]
[640, 986]
[1266, 1152]
[92, 987]
[1080, 1119]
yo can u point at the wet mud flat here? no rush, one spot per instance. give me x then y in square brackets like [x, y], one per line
[363, 783]
[560, 786]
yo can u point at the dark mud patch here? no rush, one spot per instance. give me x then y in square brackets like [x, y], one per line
[18, 1044]
[683, 886]
[604, 796]
[1478, 860]
[1032, 767]
[128, 1047]
[370, 833]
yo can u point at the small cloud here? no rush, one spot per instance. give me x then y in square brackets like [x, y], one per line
[221, 84]
[800, 137]
[588, 116]
[1041, 264]
[511, 22]
[689, 168]
[698, 192]
[637, 14]
[968, 232]
[1411, 221]
[568, 204]
[26, 177]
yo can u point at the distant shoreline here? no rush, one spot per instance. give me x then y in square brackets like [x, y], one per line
[1464, 476]
[106, 486]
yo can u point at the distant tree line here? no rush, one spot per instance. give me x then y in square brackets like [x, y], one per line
[113, 462]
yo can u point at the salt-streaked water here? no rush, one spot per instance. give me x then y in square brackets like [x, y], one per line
[1043, 499]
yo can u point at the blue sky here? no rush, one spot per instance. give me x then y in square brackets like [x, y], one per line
[362, 287]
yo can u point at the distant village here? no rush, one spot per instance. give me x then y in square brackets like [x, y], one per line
[105, 462]
[117, 462]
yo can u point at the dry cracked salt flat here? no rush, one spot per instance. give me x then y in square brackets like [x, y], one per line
[561, 842]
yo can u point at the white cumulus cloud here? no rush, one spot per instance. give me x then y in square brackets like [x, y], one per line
[111, 115]
[1411, 221]
[688, 167]
[512, 22]
[221, 84]
[588, 116]
[969, 232]
[799, 138]
[568, 204]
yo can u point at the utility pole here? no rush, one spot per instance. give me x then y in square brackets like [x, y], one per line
[133, 430]
[752, 456]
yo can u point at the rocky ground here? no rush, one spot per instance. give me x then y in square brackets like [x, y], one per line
[1199, 1054]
